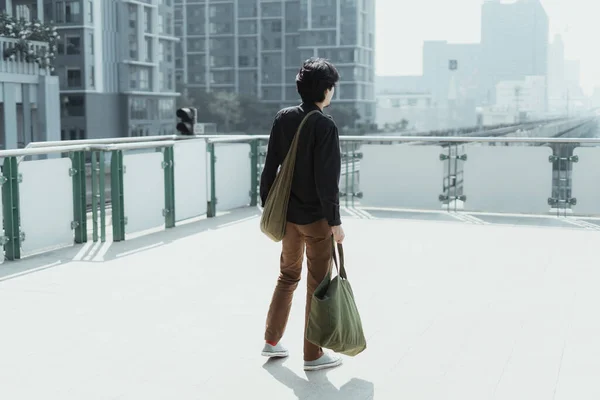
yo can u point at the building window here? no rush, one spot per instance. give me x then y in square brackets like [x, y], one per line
[139, 78]
[48, 14]
[132, 8]
[138, 108]
[133, 46]
[166, 108]
[90, 13]
[161, 23]
[73, 44]
[247, 9]
[276, 26]
[271, 9]
[74, 77]
[168, 24]
[92, 77]
[91, 45]
[60, 12]
[26, 11]
[247, 27]
[60, 47]
[74, 106]
[148, 19]
[148, 41]
[72, 11]
[165, 51]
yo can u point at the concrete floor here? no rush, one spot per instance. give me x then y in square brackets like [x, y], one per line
[452, 310]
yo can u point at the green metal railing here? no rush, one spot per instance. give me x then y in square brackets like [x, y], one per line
[96, 151]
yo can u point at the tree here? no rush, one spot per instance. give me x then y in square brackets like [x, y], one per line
[226, 107]
[257, 116]
[344, 115]
[185, 101]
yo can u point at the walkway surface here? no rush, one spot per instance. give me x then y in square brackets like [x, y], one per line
[452, 308]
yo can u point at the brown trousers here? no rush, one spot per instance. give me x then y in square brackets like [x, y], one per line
[316, 238]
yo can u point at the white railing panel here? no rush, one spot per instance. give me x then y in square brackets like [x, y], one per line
[585, 186]
[46, 202]
[402, 176]
[191, 182]
[3, 232]
[143, 191]
[232, 175]
[508, 179]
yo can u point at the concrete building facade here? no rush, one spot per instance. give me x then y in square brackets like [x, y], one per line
[116, 67]
[255, 47]
[29, 94]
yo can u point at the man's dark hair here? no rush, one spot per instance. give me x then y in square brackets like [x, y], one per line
[314, 78]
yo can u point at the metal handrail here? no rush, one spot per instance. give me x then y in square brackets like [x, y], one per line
[366, 139]
[111, 141]
[140, 139]
[430, 139]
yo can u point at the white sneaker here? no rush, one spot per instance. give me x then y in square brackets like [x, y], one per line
[274, 351]
[324, 362]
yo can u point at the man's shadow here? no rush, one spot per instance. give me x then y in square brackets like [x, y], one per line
[317, 385]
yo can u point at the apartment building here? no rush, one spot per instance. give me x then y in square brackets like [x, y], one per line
[28, 92]
[255, 47]
[115, 64]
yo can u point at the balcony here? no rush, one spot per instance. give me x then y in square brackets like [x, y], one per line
[19, 62]
[474, 271]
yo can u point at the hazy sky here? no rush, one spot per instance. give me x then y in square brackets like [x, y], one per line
[403, 25]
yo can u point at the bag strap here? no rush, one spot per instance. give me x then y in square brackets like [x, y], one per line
[294, 146]
[341, 269]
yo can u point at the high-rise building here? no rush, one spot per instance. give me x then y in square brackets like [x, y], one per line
[255, 47]
[116, 67]
[28, 92]
[514, 41]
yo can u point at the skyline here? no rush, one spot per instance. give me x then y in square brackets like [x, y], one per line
[399, 49]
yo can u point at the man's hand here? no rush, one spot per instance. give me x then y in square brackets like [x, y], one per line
[338, 233]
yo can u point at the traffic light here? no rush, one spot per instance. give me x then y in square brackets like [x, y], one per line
[188, 119]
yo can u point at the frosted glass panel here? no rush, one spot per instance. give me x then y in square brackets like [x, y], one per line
[586, 181]
[143, 191]
[232, 174]
[46, 199]
[190, 179]
[513, 179]
[402, 176]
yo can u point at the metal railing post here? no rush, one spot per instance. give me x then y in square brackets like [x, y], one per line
[212, 204]
[118, 204]
[253, 173]
[169, 168]
[102, 168]
[95, 195]
[79, 196]
[10, 202]
[347, 189]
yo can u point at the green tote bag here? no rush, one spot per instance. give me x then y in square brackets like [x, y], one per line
[334, 322]
[274, 216]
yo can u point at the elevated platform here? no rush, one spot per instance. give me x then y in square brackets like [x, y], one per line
[455, 306]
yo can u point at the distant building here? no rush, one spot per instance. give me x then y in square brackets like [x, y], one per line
[514, 42]
[413, 108]
[455, 88]
[256, 47]
[524, 96]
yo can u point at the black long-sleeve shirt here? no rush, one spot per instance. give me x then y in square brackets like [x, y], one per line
[315, 187]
